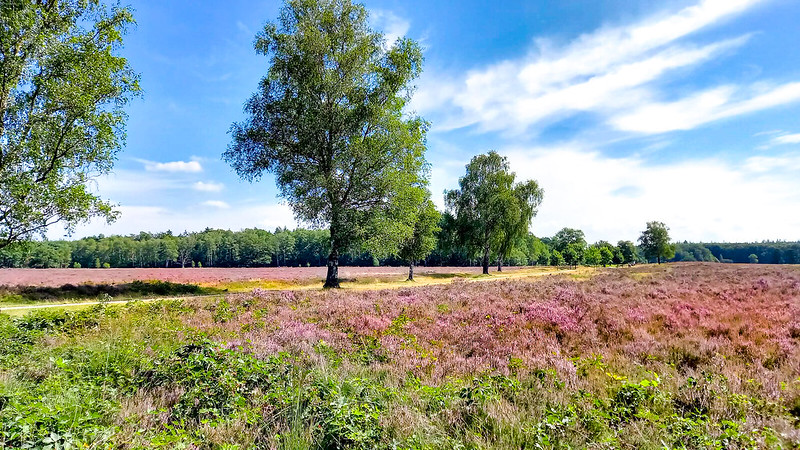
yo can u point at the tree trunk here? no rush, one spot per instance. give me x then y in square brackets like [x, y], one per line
[332, 279]
[486, 260]
[410, 272]
[499, 263]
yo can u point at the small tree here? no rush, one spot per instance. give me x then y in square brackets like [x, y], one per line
[569, 236]
[490, 210]
[329, 122]
[753, 258]
[573, 254]
[528, 196]
[655, 242]
[592, 256]
[627, 250]
[606, 256]
[556, 259]
[422, 242]
[572, 245]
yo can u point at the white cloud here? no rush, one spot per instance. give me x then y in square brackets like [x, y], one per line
[123, 183]
[208, 187]
[704, 107]
[609, 71]
[172, 166]
[393, 26]
[216, 204]
[700, 200]
[773, 164]
[787, 139]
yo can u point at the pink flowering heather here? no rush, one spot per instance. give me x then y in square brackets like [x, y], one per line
[677, 317]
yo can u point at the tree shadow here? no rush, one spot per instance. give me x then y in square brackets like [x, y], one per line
[134, 289]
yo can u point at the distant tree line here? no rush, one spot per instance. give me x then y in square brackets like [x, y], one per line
[777, 252]
[302, 247]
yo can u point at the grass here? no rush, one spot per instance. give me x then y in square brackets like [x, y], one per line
[690, 356]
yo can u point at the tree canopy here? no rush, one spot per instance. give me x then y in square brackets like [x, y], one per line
[62, 92]
[491, 211]
[655, 242]
[423, 240]
[628, 252]
[328, 120]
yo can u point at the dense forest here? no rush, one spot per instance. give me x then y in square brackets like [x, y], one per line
[775, 252]
[303, 247]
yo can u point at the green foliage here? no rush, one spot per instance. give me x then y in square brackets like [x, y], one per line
[491, 212]
[61, 102]
[628, 251]
[574, 254]
[134, 376]
[257, 248]
[423, 240]
[606, 256]
[328, 121]
[569, 237]
[693, 252]
[592, 256]
[655, 242]
[556, 259]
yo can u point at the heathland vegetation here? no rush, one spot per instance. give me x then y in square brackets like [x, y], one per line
[649, 357]
[687, 355]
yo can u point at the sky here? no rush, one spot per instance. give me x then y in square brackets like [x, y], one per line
[624, 111]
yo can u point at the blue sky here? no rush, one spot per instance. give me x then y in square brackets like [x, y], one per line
[625, 111]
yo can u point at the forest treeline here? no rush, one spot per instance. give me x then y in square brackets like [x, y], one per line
[776, 252]
[303, 247]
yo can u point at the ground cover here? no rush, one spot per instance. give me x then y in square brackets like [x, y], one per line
[676, 356]
[16, 297]
[213, 275]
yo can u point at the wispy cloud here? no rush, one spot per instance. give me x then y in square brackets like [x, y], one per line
[392, 25]
[216, 204]
[172, 166]
[704, 107]
[208, 187]
[774, 164]
[787, 139]
[609, 71]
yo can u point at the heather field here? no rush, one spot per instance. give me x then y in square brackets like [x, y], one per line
[670, 356]
[212, 275]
